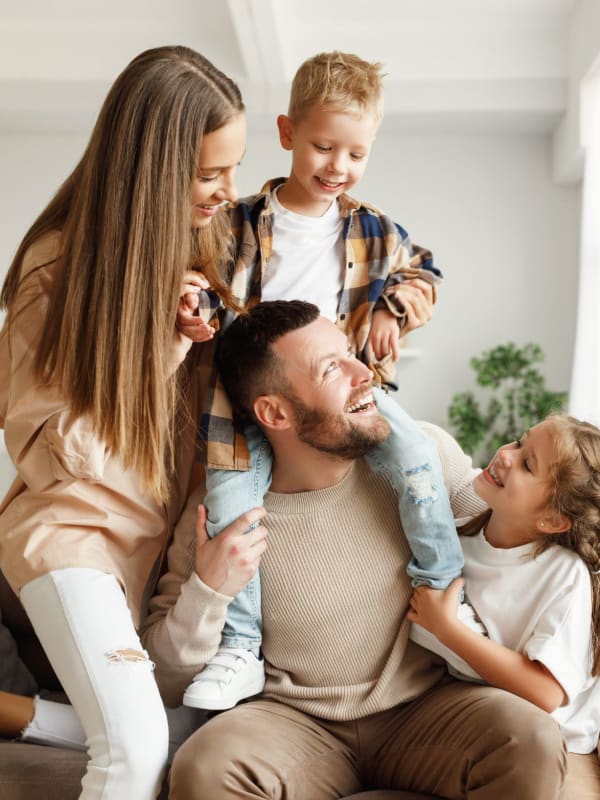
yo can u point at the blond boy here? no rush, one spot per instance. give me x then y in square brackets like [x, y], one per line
[303, 237]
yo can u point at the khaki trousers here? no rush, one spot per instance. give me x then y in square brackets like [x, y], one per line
[458, 740]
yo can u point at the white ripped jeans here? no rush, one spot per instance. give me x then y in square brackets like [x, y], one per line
[85, 627]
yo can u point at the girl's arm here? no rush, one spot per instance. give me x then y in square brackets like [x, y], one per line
[499, 666]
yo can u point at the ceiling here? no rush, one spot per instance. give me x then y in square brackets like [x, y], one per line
[487, 64]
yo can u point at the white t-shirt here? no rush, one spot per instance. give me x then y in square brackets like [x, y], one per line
[308, 261]
[541, 607]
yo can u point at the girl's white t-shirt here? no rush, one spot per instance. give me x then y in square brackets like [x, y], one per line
[541, 606]
[308, 261]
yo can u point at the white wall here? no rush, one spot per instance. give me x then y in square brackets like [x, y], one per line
[503, 233]
[506, 239]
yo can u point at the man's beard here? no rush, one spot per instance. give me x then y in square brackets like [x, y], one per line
[336, 434]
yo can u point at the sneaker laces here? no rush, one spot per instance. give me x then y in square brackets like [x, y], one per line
[223, 666]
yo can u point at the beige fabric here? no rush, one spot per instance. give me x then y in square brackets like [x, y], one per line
[72, 504]
[457, 740]
[334, 598]
[583, 778]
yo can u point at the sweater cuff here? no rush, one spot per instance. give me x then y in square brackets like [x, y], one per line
[198, 605]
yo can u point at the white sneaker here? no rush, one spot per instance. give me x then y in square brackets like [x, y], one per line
[456, 665]
[230, 676]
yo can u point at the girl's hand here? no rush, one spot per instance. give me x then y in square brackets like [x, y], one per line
[188, 323]
[384, 335]
[227, 562]
[436, 609]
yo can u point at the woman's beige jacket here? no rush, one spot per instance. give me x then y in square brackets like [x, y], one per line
[72, 503]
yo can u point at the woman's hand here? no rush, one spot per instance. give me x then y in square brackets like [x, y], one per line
[189, 324]
[227, 562]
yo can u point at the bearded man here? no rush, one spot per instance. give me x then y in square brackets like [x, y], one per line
[349, 701]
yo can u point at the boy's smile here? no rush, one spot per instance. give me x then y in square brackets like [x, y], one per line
[330, 150]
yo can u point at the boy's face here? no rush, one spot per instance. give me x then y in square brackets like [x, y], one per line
[330, 150]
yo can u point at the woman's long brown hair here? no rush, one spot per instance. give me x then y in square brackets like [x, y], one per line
[125, 214]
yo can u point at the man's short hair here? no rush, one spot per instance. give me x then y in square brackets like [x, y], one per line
[245, 359]
[341, 81]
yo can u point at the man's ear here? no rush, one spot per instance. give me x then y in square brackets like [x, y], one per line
[286, 131]
[553, 522]
[272, 412]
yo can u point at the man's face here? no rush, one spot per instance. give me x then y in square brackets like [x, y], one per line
[330, 391]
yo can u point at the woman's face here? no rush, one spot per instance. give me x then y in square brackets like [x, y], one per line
[214, 184]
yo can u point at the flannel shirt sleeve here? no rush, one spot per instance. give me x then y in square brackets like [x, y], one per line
[209, 304]
[408, 261]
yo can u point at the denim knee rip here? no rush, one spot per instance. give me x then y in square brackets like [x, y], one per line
[420, 485]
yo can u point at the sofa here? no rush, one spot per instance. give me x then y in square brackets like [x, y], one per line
[35, 772]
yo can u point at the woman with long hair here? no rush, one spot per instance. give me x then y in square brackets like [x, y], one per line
[96, 409]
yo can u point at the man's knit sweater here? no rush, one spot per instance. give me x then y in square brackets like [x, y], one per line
[334, 598]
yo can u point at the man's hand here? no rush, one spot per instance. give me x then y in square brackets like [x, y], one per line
[436, 609]
[190, 325]
[384, 335]
[416, 295]
[227, 562]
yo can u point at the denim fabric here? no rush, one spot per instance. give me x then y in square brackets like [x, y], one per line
[229, 494]
[410, 461]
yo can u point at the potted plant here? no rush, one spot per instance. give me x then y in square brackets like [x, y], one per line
[519, 399]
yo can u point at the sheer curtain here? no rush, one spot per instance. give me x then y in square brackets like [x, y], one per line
[584, 399]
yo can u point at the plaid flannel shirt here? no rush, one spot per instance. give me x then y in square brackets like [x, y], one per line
[379, 256]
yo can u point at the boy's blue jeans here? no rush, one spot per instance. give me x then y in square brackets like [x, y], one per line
[410, 461]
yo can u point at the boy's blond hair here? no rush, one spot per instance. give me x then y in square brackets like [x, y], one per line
[341, 81]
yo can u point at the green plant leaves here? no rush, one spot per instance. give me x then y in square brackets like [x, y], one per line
[519, 399]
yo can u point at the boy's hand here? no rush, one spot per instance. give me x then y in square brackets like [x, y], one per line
[416, 295]
[190, 325]
[436, 609]
[384, 335]
[227, 562]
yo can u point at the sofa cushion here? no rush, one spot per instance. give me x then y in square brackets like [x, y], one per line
[34, 772]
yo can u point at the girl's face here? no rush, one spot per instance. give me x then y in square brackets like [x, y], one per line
[516, 484]
[214, 184]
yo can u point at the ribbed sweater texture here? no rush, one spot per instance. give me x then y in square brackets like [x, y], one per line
[334, 599]
[335, 594]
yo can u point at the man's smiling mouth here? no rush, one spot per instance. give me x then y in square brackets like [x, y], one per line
[362, 404]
